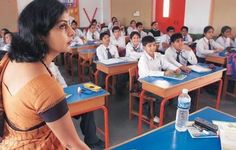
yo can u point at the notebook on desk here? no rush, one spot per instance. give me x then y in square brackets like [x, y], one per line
[199, 69]
[176, 76]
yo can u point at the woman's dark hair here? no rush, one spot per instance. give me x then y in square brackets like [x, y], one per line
[207, 28]
[35, 22]
[224, 29]
[147, 39]
[134, 33]
[175, 37]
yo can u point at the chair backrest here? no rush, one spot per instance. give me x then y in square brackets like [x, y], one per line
[133, 75]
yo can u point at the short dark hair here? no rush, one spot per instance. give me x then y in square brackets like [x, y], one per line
[113, 18]
[225, 28]
[94, 21]
[175, 36]
[5, 30]
[139, 24]
[184, 27]
[115, 28]
[35, 21]
[170, 28]
[153, 23]
[147, 39]
[207, 28]
[134, 33]
[74, 22]
[103, 34]
[132, 21]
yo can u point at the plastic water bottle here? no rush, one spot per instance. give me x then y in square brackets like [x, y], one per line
[182, 114]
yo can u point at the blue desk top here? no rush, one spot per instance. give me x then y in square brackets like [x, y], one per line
[89, 43]
[167, 138]
[166, 82]
[85, 95]
[87, 51]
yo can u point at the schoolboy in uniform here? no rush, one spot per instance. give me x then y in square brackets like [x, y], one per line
[118, 40]
[139, 28]
[153, 63]
[92, 34]
[186, 37]
[134, 48]
[165, 39]
[180, 55]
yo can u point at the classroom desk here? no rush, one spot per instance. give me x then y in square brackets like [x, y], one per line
[167, 138]
[169, 88]
[75, 51]
[84, 102]
[217, 58]
[114, 69]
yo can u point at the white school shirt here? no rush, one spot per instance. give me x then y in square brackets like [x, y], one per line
[110, 25]
[225, 42]
[187, 39]
[76, 41]
[120, 42]
[130, 29]
[101, 52]
[1, 42]
[165, 38]
[202, 49]
[130, 51]
[148, 66]
[89, 36]
[184, 57]
[79, 33]
[57, 74]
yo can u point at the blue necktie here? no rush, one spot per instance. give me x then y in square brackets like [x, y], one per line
[109, 56]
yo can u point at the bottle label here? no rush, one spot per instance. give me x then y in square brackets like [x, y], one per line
[184, 105]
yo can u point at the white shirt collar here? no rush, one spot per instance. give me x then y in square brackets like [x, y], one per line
[149, 57]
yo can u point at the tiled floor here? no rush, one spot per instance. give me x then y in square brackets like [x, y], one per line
[122, 129]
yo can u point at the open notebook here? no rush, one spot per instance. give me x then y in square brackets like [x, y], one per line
[176, 76]
[116, 60]
[199, 69]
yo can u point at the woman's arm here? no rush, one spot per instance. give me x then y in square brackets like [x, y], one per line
[65, 131]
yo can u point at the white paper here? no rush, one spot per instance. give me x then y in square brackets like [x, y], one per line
[199, 69]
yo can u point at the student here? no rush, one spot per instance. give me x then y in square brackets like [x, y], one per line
[139, 28]
[116, 23]
[187, 39]
[132, 27]
[110, 25]
[105, 51]
[206, 45]
[98, 26]
[3, 31]
[178, 55]
[134, 48]
[153, 63]
[165, 39]
[87, 123]
[7, 41]
[78, 32]
[155, 32]
[225, 37]
[92, 34]
[118, 40]
[35, 107]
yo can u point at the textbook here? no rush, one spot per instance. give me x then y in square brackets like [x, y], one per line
[92, 87]
[176, 76]
[227, 134]
[197, 132]
[199, 69]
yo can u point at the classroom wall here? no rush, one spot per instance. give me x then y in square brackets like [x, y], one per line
[197, 14]
[8, 14]
[223, 13]
[21, 5]
[124, 10]
[103, 11]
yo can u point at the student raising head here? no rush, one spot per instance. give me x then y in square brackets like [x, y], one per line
[178, 54]
[35, 105]
[165, 39]
[225, 37]
[134, 48]
[206, 45]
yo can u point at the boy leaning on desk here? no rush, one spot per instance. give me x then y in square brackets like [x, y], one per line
[153, 63]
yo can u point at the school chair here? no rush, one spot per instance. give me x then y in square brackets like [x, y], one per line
[134, 92]
[68, 61]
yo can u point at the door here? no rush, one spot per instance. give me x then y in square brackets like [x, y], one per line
[175, 17]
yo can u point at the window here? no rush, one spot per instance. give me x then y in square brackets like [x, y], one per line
[166, 8]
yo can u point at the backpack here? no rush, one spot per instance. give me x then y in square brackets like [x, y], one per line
[231, 64]
[3, 64]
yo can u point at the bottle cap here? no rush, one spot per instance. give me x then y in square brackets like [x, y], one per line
[185, 91]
